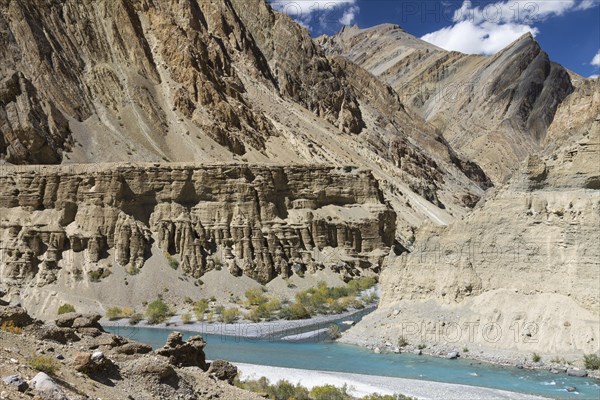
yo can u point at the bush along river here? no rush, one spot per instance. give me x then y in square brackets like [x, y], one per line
[316, 352]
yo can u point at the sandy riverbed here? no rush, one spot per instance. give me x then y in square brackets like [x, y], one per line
[361, 385]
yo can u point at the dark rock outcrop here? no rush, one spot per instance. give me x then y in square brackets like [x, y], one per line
[181, 353]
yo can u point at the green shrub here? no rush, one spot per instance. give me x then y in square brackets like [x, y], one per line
[293, 312]
[219, 309]
[44, 364]
[200, 307]
[535, 357]
[114, 313]
[402, 342]
[157, 312]
[133, 270]
[284, 390]
[257, 386]
[186, 318]
[10, 327]
[254, 315]
[370, 298]
[339, 306]
[335, 300]
[334, 332]
[135, 319]
[591, 361]
[329, 392]
[230, 315]
[65, 308]
[362, 283]
[172, 261]
[188, 300]
[127, 312]
[256, 297]
[99, 274]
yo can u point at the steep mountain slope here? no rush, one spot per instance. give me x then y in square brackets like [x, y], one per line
[496, 110]
[199, 81]
[519, 274]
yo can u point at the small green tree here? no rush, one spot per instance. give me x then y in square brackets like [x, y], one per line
[114, 313]
[186, 318]
[230, 315]
[329, 392]
[402, 341]
[200, 308]
[294, 311]
[172, 261]
[65, 309]
[135, 319]
[284, 390]
[157, 312]
[334, 332]
[591, 361]
[256, 297]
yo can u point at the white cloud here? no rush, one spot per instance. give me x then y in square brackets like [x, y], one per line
[513, 11]
[592, 76]
[488, 29]
[585, 4]
[596, 59]
[325, 12]
[349, 15]
[484, 38]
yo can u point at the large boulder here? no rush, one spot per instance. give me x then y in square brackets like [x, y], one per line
[133, 348]
[14, 314]
[582, 373]
[56, 334]
[16, 381]
[223, 371]
[66, 320]
[150, 367]
[82, 362]
[89, 363]
[184, 354]
[46, 388]
[78, 321]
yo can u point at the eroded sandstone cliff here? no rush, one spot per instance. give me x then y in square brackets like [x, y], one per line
[258, 221]
[521, 273]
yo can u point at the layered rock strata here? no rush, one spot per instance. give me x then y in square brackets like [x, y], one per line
[260, 221]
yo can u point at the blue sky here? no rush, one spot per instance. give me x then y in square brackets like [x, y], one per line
[568, 30]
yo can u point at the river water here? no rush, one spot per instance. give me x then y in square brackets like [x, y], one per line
[321, 354]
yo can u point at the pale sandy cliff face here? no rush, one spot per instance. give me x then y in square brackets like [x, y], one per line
[62, 225]
[521, 273]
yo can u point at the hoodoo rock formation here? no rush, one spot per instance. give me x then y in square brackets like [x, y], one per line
[259, 221]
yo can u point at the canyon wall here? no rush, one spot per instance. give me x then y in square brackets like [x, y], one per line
[257, 221]
[520, 274]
